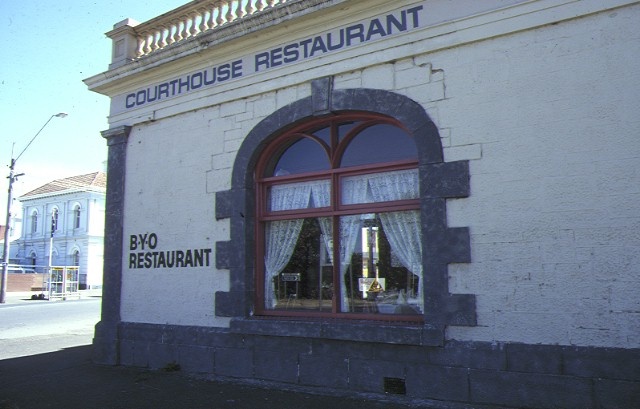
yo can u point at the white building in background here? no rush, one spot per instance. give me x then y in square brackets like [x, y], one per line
[63, 220]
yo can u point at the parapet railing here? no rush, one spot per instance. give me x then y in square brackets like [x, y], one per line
[179, 25]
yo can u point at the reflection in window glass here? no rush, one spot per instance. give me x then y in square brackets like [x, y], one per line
[298, 265]
[305, 155]
[380, 263]
[379, 144]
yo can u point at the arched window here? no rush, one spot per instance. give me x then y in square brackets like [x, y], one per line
[322, 192]
[338, 225]
[76, 258]
[34, 222]
[76, 216]
[54, 221]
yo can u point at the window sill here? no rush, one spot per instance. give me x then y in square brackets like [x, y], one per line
[356, 331]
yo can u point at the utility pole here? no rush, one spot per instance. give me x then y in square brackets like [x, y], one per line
[12, 178]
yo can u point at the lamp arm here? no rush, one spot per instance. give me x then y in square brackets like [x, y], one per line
[13, 161]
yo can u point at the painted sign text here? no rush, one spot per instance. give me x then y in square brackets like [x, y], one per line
[145, 255]
[394, 23]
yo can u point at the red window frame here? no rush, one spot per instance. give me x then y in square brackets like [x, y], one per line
[335, 210]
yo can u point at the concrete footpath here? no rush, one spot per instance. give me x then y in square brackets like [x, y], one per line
[67, 378]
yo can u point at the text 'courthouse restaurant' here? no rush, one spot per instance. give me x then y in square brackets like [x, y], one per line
[433, 200]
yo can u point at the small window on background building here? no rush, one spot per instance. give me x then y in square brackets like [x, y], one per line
[34, 222]
[76, 217]
[54, 221]
[339, 230]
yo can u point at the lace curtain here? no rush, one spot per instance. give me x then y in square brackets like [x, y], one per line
[281, 236]
[322, 198]
[354, 190]
[402, 228]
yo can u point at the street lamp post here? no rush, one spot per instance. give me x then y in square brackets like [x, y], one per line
[12, 178]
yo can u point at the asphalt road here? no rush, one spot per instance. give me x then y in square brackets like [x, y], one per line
[30, 327]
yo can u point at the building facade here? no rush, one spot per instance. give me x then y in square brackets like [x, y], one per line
[63, 225]
[430, 199]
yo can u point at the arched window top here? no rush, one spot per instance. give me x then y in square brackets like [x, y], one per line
[301, 156]
[379, 143]
[33, 257]
[339, 141]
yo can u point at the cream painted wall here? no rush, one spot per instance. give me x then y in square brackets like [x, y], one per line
[547, 118]
[554, 209]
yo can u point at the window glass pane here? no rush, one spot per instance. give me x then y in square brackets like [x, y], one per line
[324, 134]
[76, 223]
[380, 187]
[300, 195]
[298, 265]
[305, 155]
[345, 127]
[378, 144]
[54, 221]
[381, 263]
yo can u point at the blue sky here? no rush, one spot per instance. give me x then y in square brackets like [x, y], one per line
[48, 48]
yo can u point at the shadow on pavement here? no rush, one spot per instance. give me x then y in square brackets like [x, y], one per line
[69, 379]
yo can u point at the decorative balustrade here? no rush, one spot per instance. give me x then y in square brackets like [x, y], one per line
[132, 40]
[194, 18]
